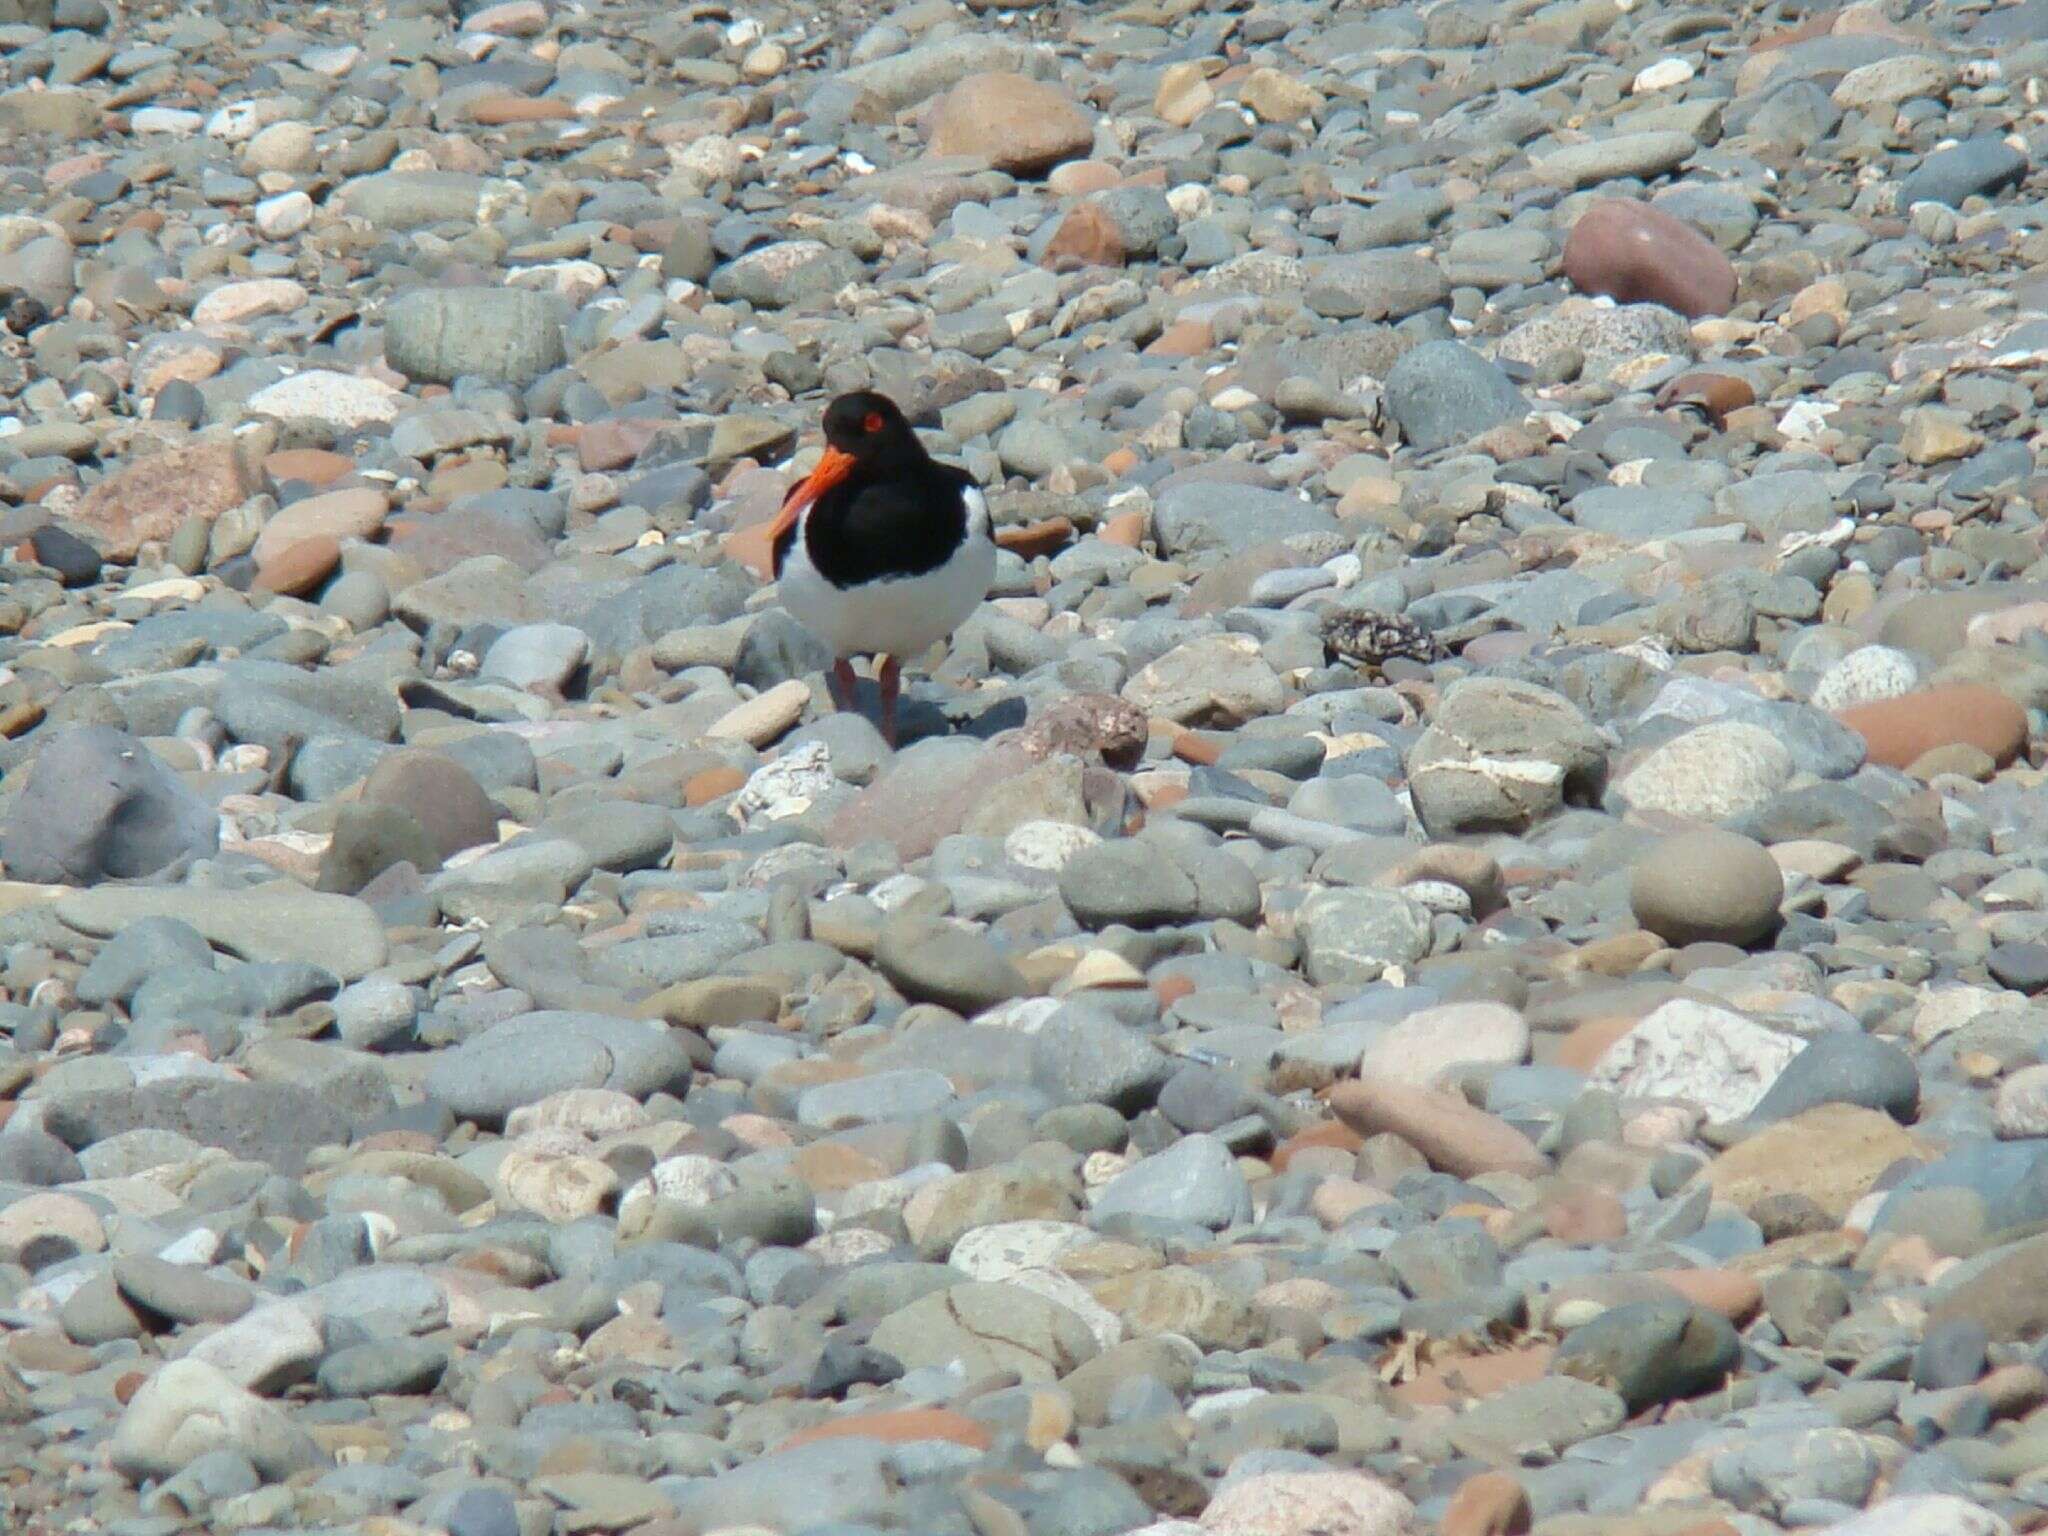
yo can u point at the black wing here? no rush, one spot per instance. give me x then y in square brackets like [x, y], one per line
[904, 525]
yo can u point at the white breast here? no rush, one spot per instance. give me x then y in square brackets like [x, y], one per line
[901, 616]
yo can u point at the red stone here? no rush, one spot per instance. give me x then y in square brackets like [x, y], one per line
[614, 444]
[298, 568]
[1897, 732]
[1039, 538]
[1087, 237]
[151, 497]
[1334, 1135]
[1638, 254]
[312, 466]
[1719, 395]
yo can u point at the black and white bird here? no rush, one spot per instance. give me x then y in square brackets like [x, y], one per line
[880, 550]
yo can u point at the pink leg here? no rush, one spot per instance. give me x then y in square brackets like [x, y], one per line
[890, 676]
[844, 684]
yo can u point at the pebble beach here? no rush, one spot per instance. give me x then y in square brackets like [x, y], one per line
[1459, 949]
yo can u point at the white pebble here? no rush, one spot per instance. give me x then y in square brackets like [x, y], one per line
[1663, 75]
[281, 217]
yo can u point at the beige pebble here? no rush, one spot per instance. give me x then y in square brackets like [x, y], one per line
[765, 716]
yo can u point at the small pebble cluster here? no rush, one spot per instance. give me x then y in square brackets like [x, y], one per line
[1461, 947]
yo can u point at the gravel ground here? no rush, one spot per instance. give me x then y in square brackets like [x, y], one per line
[1459, 947]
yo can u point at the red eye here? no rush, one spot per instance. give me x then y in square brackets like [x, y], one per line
[873, 422]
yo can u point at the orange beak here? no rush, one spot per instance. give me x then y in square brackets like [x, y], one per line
[834, 467]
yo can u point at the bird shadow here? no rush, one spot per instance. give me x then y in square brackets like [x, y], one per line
[993, 719]
[919, 719]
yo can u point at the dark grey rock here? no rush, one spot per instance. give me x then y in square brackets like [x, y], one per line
[397, 1366]
[1845, 1067]
[1443, 392]
[1651, 1352]
[1979, 167]
[271, 1123]
[1951, 1354]
[527, 1058]
[1197, 517]
[98, 805]
[137, 952]
[1083, 1057]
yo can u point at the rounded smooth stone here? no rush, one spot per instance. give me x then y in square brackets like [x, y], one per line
[1638, 254]
[1709, 886]
[387, 1366]
[64, 552]
[1204, 1098]
[482, 1512]
[505, 335]
[1445, 392]
[1950, 1355]
[2019, 967]
[1899, 731]
[1845, 1067]
[442, 796]
[1651, 1351]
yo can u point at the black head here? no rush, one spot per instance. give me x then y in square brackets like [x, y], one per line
[869, 426]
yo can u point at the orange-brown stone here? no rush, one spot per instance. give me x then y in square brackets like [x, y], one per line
[712, 784]
[1454, 1136]
[356, 512]
[602, 445]
[1017, 124]
[1898, 731]
[1087, 237]
[1734, 1295]
[1334, 1134]
[828, 1167]
[1490, 1504]
[312, 466]
[898, 1426]
[1586, 1044]
[1039, 538]
[1638, 254]
[502, 111]
[1447, 1383]
[752, 547]
[1718, 395]
[1584, 1214]
[1126, 529]
[1183, 338]
[298, 568]
[1077, 178]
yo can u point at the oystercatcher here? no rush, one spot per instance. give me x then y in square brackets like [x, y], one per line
[880, 550]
